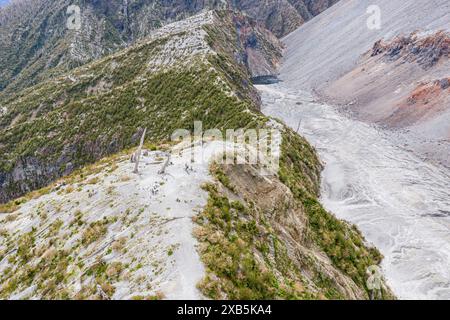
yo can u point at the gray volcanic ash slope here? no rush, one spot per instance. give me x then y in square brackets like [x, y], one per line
[331, 44]
[395, 80]
[400, 203]
[396, 76]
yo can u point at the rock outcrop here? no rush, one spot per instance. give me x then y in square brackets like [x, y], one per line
[425, 50]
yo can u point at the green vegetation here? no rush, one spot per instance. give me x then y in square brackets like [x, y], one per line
[232, 248]
[94, 232]
[247, 259]
[100, 109]
[49, 275]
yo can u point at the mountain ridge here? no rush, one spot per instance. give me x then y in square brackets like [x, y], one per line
[80, 109]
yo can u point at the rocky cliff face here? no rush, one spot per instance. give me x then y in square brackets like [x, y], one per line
[268, 244]
[426, 50]
[282, 16]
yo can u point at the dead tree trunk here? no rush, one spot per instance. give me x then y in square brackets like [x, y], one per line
[299, 125]
[137, 155]
[102, 293]
[166, 164]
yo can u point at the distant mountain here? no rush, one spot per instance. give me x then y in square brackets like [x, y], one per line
[36, 44]
[282, 16]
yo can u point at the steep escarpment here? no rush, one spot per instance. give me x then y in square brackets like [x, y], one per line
[394, 72]
[267, 237]
[331, 44]
[425, 50]
[251, 45]
[163, 83]
[282, 16]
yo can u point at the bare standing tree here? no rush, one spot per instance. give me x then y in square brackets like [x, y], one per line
[165, 165]
[137, 155]
[299, 125]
